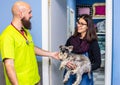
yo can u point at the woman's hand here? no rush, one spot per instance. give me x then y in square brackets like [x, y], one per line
[71, 65]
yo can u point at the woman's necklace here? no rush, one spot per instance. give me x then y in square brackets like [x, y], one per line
[22, 33]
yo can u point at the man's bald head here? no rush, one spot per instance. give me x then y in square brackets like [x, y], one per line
[19, 6]
[22, 14]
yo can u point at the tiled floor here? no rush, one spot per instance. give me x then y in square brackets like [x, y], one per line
[99, 77]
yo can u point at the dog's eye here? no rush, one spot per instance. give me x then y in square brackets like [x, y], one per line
[66, 50]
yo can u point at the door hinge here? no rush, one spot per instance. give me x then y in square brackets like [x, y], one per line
[48, 3]
[49, 61]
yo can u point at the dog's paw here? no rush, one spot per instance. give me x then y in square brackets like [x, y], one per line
[65, 80]
[73, 71]
[89, 75]
[60, 68]
[76, 83]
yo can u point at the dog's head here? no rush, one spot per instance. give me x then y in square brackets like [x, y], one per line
[64, 51]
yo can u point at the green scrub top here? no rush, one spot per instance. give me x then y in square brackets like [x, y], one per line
[13, 45]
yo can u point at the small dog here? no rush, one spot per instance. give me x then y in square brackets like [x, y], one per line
[82, 63]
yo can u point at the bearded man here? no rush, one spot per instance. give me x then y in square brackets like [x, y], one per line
[18, 50]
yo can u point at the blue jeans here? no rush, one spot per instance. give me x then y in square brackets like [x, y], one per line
[85, 79]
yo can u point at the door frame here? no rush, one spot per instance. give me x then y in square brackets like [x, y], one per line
[45, 43]
[108, 45]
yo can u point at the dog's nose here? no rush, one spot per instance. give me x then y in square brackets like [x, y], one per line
[63, 51]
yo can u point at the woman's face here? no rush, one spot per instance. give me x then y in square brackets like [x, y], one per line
[82, 26]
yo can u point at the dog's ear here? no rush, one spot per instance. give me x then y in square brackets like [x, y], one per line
[70, 48]
[60, 46]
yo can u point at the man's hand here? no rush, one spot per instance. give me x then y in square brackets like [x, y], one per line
[41, 52]
[55, 55]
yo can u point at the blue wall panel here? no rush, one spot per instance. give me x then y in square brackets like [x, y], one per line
[116, 43]
[71, 4]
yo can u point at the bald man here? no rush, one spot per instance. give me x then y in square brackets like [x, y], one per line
[18, 50]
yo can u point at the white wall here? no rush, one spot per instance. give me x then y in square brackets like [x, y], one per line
[58, 36]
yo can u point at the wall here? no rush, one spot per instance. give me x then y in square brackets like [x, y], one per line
[71, 13]
[71, 4]
[36, 23]
[6, 17]
[58, 36]
[116, 43]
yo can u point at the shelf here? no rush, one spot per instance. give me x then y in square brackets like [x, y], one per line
[98, 18]
[100, 33]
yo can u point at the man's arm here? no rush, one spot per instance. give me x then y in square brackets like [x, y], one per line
[41, 52]
[9, 67]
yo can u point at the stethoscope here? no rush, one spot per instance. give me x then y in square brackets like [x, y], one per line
[22, 33]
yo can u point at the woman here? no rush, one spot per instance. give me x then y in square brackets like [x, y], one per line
[84, 41]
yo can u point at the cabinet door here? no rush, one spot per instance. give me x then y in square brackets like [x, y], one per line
[101, 42]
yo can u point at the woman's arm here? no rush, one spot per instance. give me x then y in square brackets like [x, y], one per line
[95, 55]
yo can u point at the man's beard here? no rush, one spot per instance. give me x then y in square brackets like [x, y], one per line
[26, 23]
